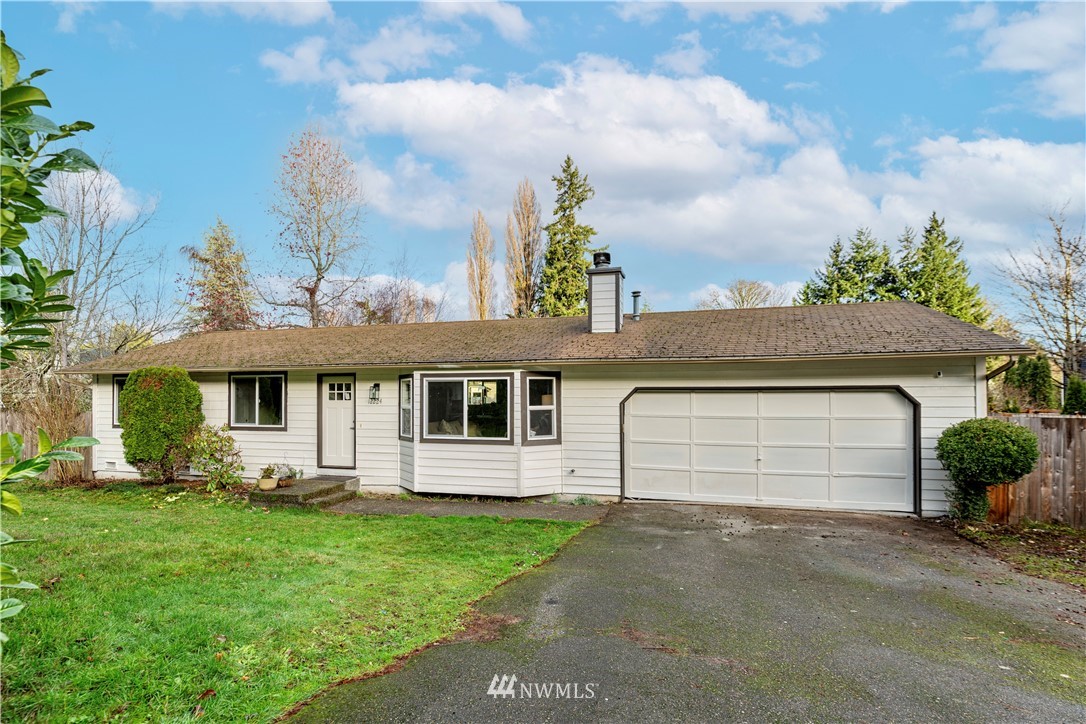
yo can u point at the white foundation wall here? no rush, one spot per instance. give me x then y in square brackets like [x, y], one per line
[946, 388]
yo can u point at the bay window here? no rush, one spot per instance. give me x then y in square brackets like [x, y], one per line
[406, 409]
[541, 398]
[467, 408]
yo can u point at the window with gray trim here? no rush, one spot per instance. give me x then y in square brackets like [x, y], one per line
[406, 410]
[542, 408]
[118, 385]
[468, 408]
[258, 400]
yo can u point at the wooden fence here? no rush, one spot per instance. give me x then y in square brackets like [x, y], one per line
[14, 421]
[1056, 489]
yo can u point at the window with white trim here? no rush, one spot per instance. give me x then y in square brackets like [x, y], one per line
[118, 385]
[470, 408]
[405, 408]
[542, 409]
[258, 400]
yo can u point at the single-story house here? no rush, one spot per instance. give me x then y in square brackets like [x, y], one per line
[835, 406]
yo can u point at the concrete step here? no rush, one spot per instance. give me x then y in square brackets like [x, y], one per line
[298, 494]
[327, 501]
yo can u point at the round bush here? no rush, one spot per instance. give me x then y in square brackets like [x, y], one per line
[160, 414]
[981, 453]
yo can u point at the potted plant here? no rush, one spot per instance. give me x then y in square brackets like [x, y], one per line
[287, 475]
[268, 479]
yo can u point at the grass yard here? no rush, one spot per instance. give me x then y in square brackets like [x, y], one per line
[168, 605]
[1046, 550]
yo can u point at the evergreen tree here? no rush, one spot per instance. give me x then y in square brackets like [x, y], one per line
[1032, 377]
[220, 292]
[934, 274]
[863, 273]
[564, 281]
[1074, 396]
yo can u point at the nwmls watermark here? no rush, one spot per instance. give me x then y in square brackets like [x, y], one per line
[507, 686]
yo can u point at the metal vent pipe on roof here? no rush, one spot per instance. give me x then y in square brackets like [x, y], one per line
[636, 306]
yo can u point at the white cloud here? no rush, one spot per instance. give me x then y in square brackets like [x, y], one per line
[645, 12]
[1048, 43]
[813, 85]
[780, 48]
[301, 65]
[292, 12]
[799, 13]
[69, 13]
[506, 18]
[105, 194]
[686, 57]
[689, 164]
[401, 46]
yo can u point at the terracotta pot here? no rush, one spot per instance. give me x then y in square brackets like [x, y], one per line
[286, 482]
[267, 483]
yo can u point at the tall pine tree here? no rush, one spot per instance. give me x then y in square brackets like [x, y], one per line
[564, 281]
[220, 293]
[862, 273]
[934, 274]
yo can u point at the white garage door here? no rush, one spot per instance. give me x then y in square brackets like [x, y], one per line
[845, 449]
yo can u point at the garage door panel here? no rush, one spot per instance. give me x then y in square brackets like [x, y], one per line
[796, 404]
[795, 487]
[726, 457]
[872, 432]
[806, 448]
[796, 459]
[726, 485]
[661, 454]
[717, 429]
[650, 429]
[661, 403]
[661, 482]
[870, 461]
[803, 432]
[893, 494]
[869, 403]
[736, 404]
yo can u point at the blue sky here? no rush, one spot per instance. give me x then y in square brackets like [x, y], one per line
[724, 140]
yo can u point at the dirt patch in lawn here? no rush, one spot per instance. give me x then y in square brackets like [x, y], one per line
[1046, 550]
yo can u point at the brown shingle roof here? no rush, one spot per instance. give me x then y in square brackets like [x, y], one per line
[847, 330]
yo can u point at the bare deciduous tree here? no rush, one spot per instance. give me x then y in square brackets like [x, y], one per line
[481, 270]
[99, 240]
[396, 298]
[744, 294]
[523, 251]
[319, 202]
[1049, 283]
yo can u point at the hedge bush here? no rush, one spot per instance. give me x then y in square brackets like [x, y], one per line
[1033, 376]
[1074, 397]
[160, 414]
[980, 453]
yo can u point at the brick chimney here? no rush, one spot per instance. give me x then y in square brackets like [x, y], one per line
[604, 294]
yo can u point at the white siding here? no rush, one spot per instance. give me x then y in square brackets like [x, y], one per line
[588, 460]
[604, 289]
[541, 469]
[591, 397]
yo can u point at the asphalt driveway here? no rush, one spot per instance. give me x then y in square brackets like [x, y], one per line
[697, 613]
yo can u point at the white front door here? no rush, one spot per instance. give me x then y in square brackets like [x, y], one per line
[337, 423]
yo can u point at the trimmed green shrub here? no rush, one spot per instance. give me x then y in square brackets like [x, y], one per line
[160, 415]
[215, 453]
[980, 453]
[1033, 377]
[1074, 396]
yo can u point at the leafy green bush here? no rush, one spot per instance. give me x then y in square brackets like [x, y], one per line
[216, 454]
[980, 453]
[1074, 397]
[1033, 377]
[160, 415]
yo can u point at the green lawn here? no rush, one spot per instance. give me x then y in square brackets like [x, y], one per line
[151, 599]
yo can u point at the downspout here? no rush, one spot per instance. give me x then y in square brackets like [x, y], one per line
[1001, 369]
